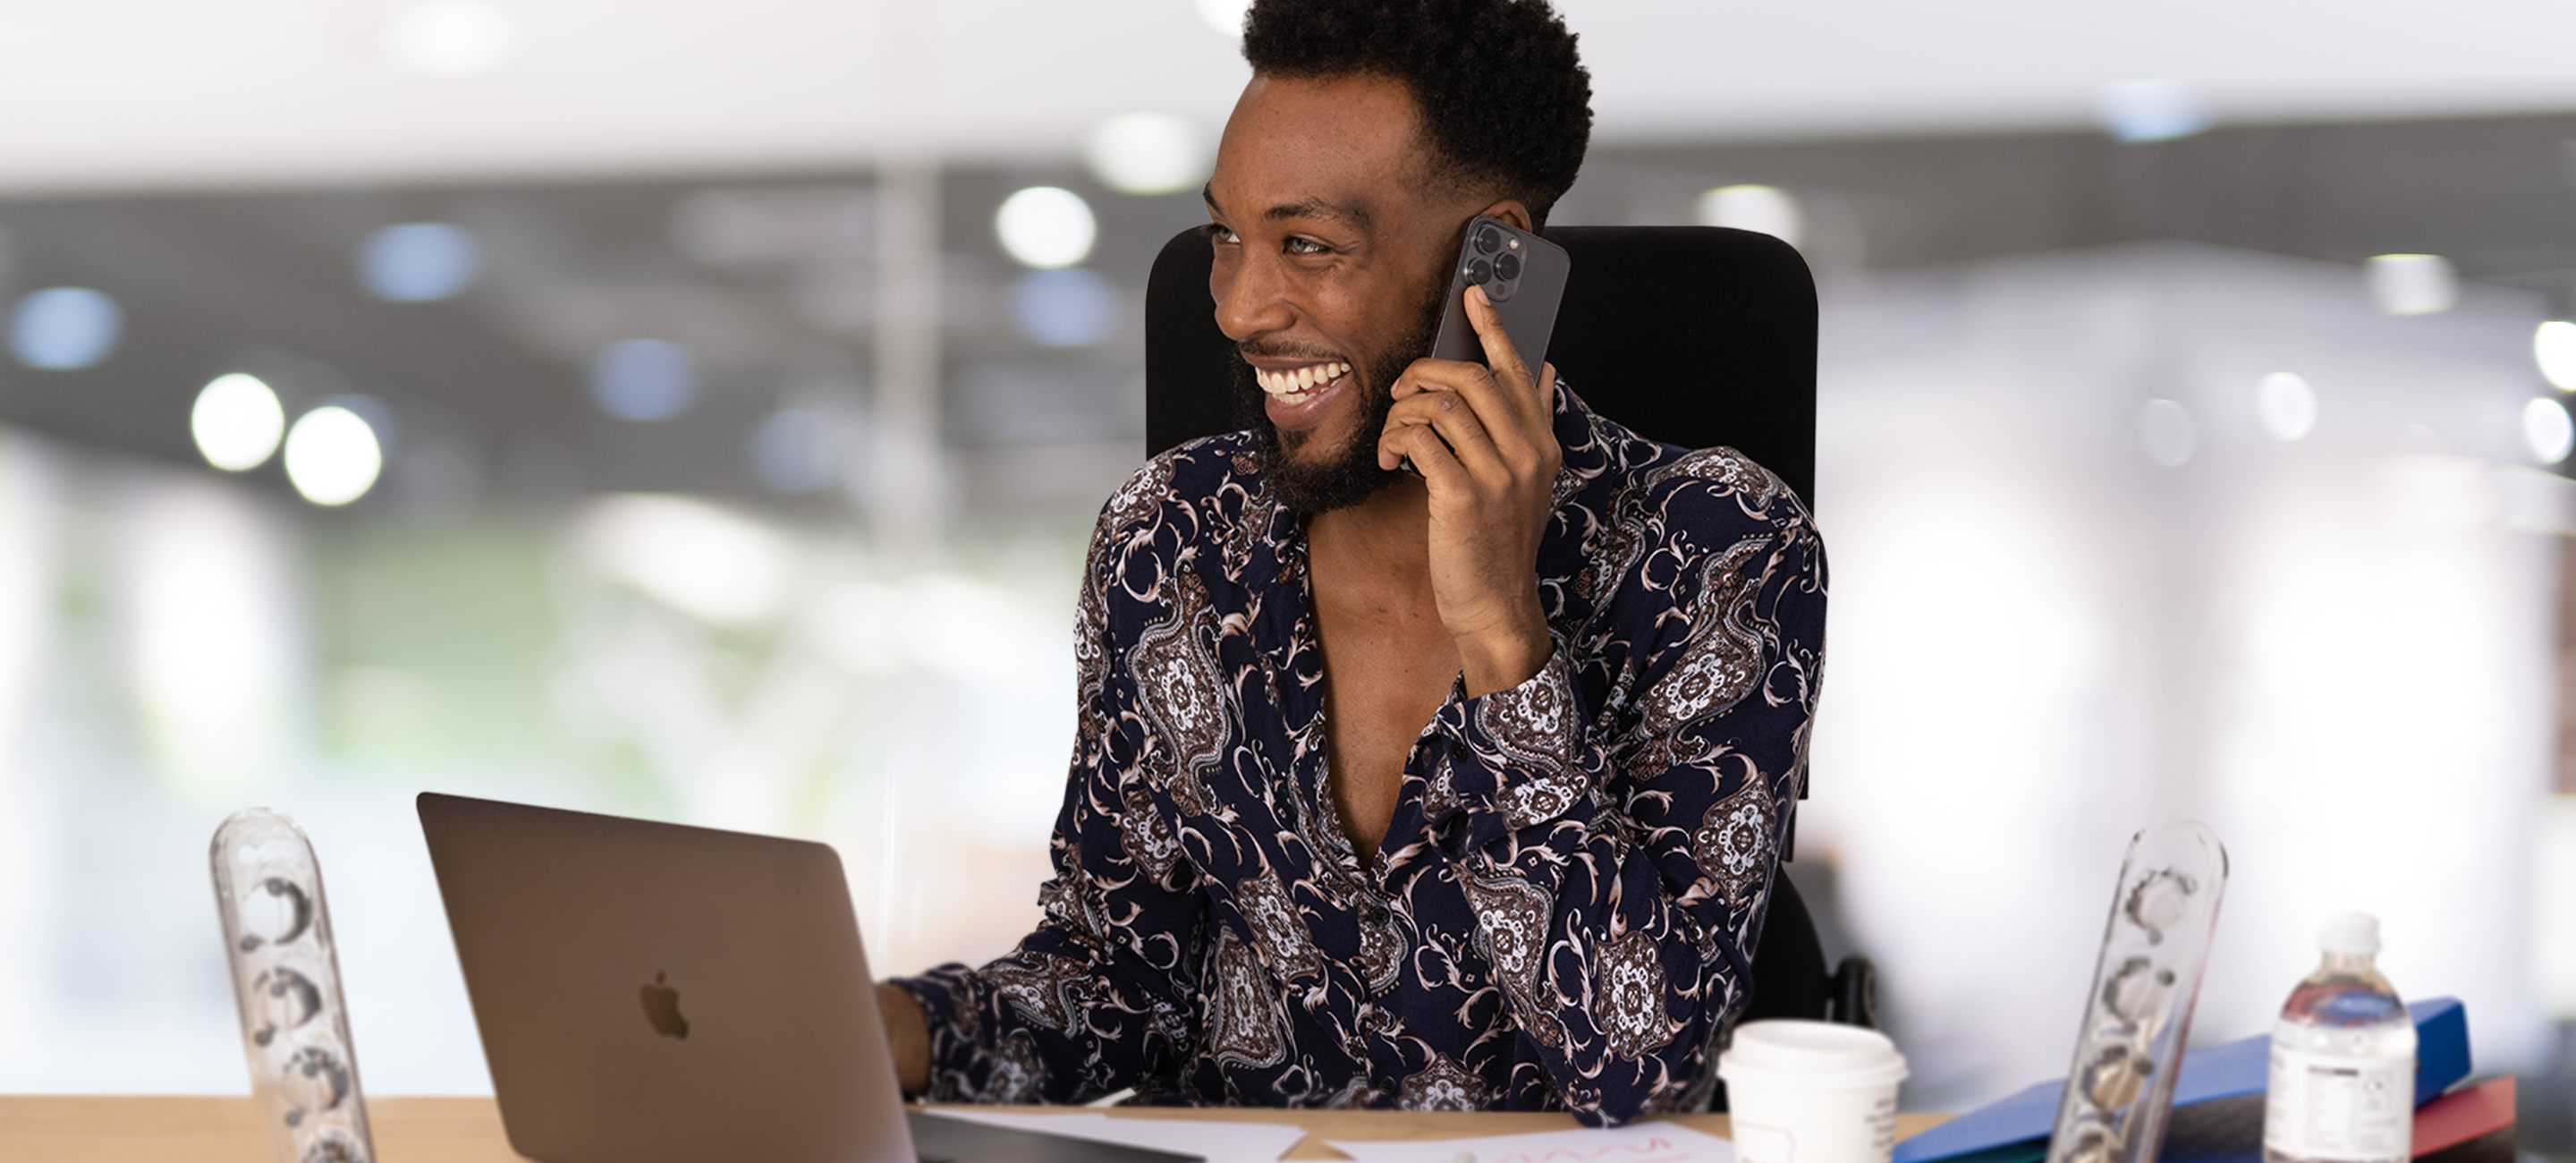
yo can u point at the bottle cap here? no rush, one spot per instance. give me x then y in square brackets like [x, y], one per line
[2350, 933]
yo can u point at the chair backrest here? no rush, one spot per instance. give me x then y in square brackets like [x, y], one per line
[1692, 335]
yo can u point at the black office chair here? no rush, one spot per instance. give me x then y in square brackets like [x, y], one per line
[1691, 335]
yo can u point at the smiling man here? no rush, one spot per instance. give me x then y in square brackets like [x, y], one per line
[1456, 787]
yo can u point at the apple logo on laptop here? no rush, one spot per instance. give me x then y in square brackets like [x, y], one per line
[662, 1008]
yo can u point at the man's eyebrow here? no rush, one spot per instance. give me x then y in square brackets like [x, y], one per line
[1307, 208]
[1318, 208]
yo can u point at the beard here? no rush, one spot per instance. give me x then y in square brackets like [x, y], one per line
[1344, 476]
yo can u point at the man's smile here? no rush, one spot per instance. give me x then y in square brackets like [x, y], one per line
[1297, 395]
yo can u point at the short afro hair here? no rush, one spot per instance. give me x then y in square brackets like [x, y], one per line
[1504, 98]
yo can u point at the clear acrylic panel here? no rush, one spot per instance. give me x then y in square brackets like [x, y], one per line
[286, 982]
[2138, 1017]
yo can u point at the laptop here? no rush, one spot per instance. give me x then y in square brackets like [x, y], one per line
[653, 993]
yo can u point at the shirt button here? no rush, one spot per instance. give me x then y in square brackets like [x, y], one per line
[1378, 916]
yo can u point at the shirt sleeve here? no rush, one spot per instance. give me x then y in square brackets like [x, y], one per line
[1092, 1001]
[1618, 857]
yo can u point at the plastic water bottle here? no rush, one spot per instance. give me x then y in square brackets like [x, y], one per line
[2343, 1059]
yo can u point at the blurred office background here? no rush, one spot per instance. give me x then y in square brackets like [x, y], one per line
[697, 411]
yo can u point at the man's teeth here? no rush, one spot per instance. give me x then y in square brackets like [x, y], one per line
[1296, 386]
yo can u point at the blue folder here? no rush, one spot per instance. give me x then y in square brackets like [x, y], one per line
[2015, 1129]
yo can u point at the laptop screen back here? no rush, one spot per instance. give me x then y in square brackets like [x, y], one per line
[650, 992]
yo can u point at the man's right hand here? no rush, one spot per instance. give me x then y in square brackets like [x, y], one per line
[907, 1035]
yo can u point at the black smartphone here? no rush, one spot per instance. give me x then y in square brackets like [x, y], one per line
[1522, 273]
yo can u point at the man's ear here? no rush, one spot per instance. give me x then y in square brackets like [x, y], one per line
[1513, 211]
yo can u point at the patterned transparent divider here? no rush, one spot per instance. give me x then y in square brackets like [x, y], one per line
[2138, 1016]
[286, 981]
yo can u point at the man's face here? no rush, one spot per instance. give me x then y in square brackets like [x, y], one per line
[1331, 244]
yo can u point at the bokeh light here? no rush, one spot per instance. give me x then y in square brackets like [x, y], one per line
[1046, 227]
[237, 422]
[796, 450]
[332, 456]
[1147, 153]
[1763, 209]
[2151, 110]
[418, 262]
[2554, 345]
[451, 37]
[65, 328]
[704, 560]
[2549, 431]
[1069, 308]
[2166, 430]
[2287, 405]
[2413, 284]
[644, 380]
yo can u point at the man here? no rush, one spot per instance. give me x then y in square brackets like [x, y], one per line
[1449, 790]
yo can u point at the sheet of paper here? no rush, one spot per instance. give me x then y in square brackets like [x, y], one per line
[1634, 1143]
[1226, 1142]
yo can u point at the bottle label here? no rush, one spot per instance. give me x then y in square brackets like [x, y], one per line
[2339, 1108]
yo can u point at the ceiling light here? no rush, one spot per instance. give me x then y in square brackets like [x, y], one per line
[237, 422]
[2151, 110]
[2554, 345]
[64, 328]
[2547, 428]
[2165, 428]
[417, 262]
[451, 37]
[332, 456]
[644, 380]
[1064, 308]
[2413, 284]
[1046, 226]
[1762, 209]
[2287, 405]
[1147, 153]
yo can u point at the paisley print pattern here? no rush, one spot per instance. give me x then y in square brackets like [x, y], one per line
[1561, 913]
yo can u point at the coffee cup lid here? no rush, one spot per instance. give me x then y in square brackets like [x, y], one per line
[1793, 1053]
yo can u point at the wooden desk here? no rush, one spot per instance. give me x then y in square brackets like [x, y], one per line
[468, 1130]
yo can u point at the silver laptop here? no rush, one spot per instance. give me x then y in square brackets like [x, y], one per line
[652, 993]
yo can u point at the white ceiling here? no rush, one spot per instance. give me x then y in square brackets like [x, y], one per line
[132, 94]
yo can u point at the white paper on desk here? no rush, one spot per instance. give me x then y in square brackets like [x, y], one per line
[1635, 1143]
[1226, 1142]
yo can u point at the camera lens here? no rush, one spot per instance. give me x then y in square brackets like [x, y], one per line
[1508, 267]
[1478, 270]
[1488, 239]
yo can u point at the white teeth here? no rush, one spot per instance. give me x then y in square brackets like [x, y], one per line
[1295, 386]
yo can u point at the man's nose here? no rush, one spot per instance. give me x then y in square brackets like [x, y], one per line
[1250, 299]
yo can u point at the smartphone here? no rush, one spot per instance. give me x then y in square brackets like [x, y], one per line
[1522, 273]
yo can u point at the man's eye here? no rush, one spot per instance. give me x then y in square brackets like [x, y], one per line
[1304, 246]
[1220, 234]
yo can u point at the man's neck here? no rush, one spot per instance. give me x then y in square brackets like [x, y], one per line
[1392, 528]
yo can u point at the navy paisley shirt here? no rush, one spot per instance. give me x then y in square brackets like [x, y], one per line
[1562, 913]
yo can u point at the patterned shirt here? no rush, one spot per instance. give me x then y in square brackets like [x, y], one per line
[1562, 913]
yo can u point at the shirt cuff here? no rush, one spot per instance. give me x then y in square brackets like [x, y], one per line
[950, 1008]
[1509, 760]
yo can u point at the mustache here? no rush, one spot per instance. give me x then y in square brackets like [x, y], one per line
[1252, 351]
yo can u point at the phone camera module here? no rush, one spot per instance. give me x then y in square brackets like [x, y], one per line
[1488, 240]
[1507, 267]
[1479, 271]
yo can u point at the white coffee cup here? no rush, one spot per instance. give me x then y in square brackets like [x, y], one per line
[1811, 1092]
